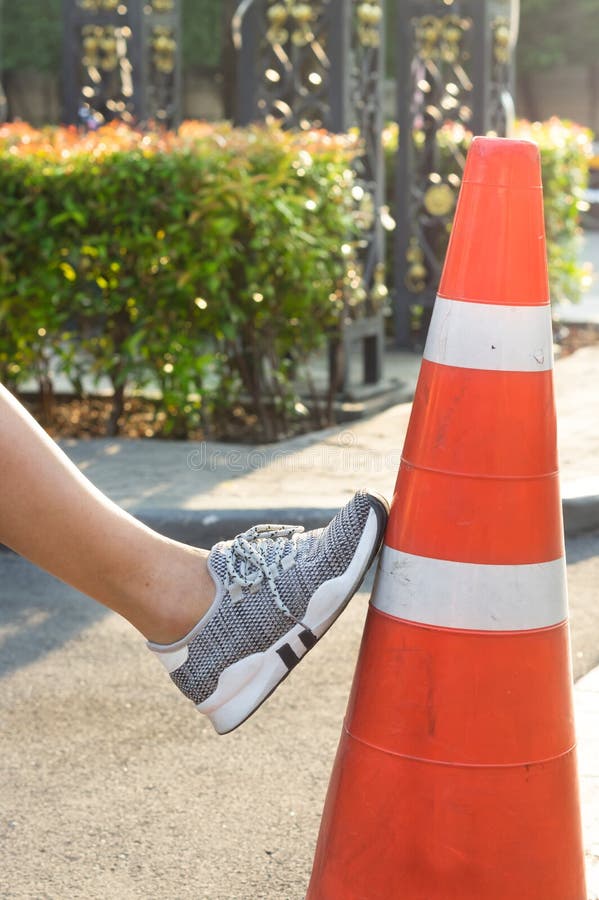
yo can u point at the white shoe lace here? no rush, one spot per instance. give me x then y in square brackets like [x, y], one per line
[247, 565]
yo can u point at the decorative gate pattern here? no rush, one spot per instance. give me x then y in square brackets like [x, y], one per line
[285, 64]
[121, 59]
[319, 65]
[454, 73]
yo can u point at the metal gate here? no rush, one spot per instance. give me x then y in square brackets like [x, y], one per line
[121, 60]
[454, 71]
[319, 65]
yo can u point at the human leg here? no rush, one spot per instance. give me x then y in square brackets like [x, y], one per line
[228, 625]
[51, 514]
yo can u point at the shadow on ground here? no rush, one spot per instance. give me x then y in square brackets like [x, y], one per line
[38, 613]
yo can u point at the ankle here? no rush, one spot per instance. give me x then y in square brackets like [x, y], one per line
[174, 610]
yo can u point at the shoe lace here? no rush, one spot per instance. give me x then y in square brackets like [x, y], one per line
[258, 556]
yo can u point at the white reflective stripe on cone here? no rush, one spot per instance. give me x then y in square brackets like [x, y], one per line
[469, 595]
[490, 336]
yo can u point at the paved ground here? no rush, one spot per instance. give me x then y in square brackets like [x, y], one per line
[113, 787]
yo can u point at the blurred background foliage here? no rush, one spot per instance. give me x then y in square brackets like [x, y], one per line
[202, 30]
[565, 149]
[207, 265]
[31, 34]
[554, 33]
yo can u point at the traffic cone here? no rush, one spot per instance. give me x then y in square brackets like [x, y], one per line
[455, 777]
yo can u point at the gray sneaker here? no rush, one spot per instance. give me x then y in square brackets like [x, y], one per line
[277, 591]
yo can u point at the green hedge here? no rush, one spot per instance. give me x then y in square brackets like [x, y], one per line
[565, 152]
[209, 264]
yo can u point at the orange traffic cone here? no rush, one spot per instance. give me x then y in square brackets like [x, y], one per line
[455, 777]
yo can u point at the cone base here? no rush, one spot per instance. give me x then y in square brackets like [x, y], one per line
[402, 828]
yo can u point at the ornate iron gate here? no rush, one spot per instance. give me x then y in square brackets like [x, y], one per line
[121, 60]
[454, 71]
[319, 65]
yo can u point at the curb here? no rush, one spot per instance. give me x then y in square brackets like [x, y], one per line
[203, 528]
[580, 514]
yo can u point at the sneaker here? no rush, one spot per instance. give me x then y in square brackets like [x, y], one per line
[277, 591]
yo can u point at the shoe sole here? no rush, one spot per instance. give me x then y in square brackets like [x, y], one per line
[244, 686]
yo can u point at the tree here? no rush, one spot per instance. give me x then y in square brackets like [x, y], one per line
[555, 33]
[201, 43]
[30, 35]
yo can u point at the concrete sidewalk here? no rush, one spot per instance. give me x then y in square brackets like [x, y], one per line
[202, 492]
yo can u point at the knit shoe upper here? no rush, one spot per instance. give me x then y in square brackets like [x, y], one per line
[271, 582]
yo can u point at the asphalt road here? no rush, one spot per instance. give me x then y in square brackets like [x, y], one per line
[111, 786]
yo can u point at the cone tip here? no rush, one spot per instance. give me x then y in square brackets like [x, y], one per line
[503, 162]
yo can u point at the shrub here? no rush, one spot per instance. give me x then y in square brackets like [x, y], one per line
[208, 263]
[566, 149]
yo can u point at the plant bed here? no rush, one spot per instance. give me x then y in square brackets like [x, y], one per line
[572, 337]
[67, 417]
[81, 418]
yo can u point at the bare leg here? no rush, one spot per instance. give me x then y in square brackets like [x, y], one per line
[51, 514]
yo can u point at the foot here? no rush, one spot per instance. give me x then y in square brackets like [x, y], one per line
[277, 591]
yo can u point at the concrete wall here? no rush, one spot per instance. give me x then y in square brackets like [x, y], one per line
[32, 96]
[567, 92]
[202, 96]
[35, 97]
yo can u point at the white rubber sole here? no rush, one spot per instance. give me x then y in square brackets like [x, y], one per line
[246, 684]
